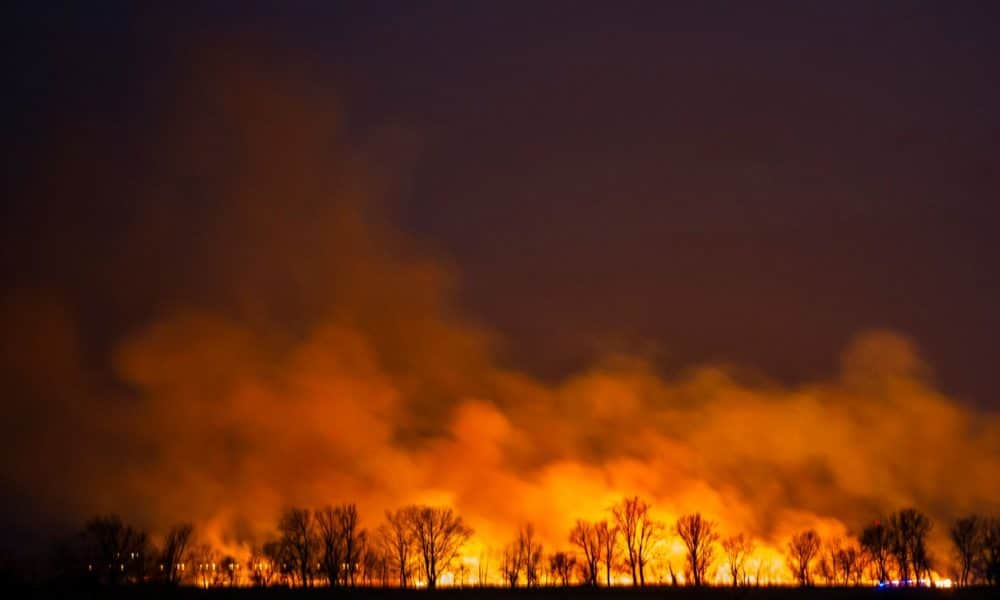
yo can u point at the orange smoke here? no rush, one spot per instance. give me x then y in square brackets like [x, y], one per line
[322, 360]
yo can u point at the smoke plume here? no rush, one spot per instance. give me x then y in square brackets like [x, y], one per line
[282, 344]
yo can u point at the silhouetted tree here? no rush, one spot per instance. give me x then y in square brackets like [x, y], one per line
[397, 536]
[672, 573]
[584, 535]
[438, 533]
[607, 537]
[699, 537]
[511, 563]
[967, 535]
[298, 535]
[802, 549]
[561, 566]
[283, 565]
[908, 531]
[848, 564]
[375, 564]
[840, 564]
[354, 540]
[876, 543]
[483, 568]
[990, 551]
[737, 549]
[826, 564]
[172, 556]
[531, 554]
[331, 545]
[342, 543]
[116, 551]
[763, 568]
[637, 529]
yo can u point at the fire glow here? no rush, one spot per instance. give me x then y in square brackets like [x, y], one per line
[385, 397]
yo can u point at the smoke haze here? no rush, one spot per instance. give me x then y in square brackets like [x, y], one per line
[277, 342]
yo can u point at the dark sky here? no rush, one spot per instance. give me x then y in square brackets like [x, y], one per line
[751, 183]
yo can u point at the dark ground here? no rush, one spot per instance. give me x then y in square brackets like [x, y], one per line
[547, 593]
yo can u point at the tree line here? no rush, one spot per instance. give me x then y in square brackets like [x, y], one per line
[422, 545]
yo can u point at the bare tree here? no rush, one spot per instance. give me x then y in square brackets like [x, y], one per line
[531, 554]
[802, 549]
[298, 535]
[280, 559]
[438, 533]
[561, 565]
[385, 567]
[990, 551]
[584, 535]
[637, 529]
[737, 549]
[826, 565]
[172, 555]
[607, 537]
[353, 540]
[342, 543]
[673, 574]
[699, 537]
[847, 561]
[967, 534]
[511, 563]
[375, 565]
[116, 551]
[758, 577]
[333, 553]
[876, 543]
[483, 568]
[908, 531]
[397, 536]
[840, 564]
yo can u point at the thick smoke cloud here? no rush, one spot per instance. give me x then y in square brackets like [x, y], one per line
[296, 350]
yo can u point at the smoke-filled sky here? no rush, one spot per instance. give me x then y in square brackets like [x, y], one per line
[521, 260]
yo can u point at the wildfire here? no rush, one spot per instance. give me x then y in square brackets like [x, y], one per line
[334, 369]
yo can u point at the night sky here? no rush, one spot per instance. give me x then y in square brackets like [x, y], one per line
[746, 184]
[750, 184]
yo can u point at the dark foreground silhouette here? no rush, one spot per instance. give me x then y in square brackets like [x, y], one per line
[545, 593]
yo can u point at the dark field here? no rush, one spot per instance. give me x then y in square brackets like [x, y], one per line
[548, 593]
